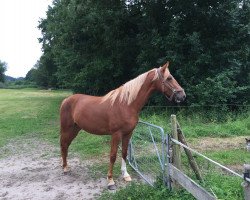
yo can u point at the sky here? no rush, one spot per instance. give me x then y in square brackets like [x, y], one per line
[19, 46]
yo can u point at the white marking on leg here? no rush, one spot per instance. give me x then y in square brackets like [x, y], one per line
[66, 169]
[125, 174]
[111, 182]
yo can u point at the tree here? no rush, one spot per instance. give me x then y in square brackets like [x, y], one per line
[95, 46]
[3, 68]
[89, 39]
[31, 75]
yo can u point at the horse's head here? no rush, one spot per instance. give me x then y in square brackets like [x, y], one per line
[168, 85]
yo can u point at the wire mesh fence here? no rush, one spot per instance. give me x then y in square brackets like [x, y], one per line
[146, 152]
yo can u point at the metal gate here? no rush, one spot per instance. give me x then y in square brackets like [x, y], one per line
[148, 153]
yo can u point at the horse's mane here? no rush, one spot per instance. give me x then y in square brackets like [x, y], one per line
[128, 92]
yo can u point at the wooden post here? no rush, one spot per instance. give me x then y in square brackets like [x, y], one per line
[176, 153]
[246, 184]
[176, 147]
[189, 154]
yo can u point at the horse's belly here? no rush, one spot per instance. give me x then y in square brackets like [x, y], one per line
[95, 130]
[93, 125]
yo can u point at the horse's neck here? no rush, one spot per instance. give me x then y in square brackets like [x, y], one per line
[145, 92]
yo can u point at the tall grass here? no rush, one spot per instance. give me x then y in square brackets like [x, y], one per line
[202, 121]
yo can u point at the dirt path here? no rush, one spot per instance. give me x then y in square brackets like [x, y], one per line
[208, 143]
[30, 169]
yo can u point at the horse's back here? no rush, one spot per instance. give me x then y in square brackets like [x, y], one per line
[75, 102]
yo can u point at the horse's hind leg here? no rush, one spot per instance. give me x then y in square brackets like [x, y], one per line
[67, 135]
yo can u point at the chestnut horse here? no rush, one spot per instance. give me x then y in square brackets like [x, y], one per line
[114, 114]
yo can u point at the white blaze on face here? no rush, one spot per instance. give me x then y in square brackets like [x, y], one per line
[124, 169]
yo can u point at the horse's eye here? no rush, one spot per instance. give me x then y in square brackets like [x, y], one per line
[169, 78]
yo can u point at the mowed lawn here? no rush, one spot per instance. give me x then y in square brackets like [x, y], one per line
[26, 111]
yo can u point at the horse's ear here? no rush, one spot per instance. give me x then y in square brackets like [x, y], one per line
[165, 66]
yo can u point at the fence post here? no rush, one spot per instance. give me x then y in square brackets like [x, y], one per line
[176, 152]
[246, 184]
[189, 154]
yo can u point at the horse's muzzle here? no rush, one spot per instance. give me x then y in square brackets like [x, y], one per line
[180, 96]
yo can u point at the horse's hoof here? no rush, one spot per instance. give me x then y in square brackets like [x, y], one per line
[66, 170]
[127, 178]
[111, 187]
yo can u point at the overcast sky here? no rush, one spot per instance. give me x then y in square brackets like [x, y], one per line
[19, 46]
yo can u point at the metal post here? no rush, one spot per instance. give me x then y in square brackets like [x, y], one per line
[168, 180]
[246, 184]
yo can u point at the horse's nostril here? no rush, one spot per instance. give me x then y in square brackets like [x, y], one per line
[180, 96]
[183, 94]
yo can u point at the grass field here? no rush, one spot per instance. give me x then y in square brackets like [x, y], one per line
[36, 112]
[29, 110]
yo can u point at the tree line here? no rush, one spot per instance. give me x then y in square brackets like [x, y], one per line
[3, 68]
[95, 46]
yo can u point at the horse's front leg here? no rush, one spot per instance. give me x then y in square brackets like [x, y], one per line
[116, 137]
[125, 142]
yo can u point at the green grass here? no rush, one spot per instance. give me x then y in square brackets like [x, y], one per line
[27, 111]
[90, 146]
[141, 192]
[195, 124]
[230, 156]
[225, 187]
